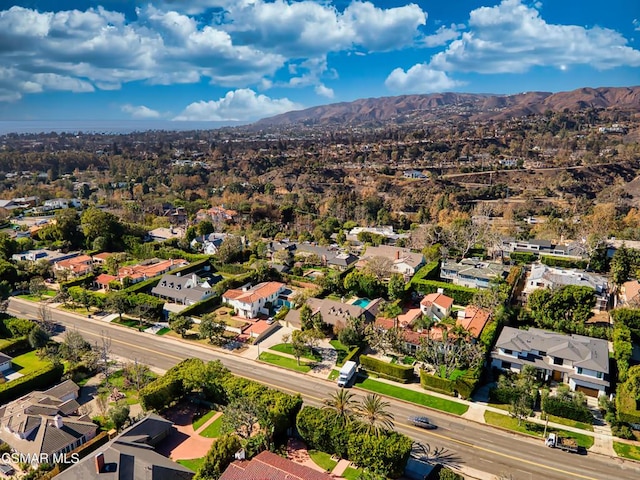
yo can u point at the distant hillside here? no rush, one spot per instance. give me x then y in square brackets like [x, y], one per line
[407, 108]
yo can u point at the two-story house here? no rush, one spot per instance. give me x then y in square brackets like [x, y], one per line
[403, 260]
[579, 361]
[436, 306]
[472, 272]
[185, 290]
[250, 301]
[543, 276]
[76, 266]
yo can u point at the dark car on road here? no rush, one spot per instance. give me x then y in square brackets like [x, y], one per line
[422, 422]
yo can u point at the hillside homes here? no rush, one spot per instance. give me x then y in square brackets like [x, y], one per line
[404, 261]
[579, 361]
[250, 301]
[543, 276]
[472, 272]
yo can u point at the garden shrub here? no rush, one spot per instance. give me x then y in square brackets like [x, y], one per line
[399, 373]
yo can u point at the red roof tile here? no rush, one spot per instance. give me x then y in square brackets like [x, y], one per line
[269, 466]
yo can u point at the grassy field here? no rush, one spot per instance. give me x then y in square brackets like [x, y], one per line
[213, 430]
[501, 406]
[323, 460]
[203, 419]
[117, 380]
[412, 396]
[505, 421]
[287, 348]
[284, 362]
[29, 362]
[627, 451]
[193, 464]
[571, 423]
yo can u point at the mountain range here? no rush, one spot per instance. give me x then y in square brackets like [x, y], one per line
[411, 108]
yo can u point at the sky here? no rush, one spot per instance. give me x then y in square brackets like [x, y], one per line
[242, 60]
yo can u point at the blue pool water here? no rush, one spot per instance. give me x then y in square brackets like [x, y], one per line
[362, 302]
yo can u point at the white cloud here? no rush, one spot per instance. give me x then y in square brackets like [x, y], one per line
[140, 111]
[324, 91]
[420, 78]
[237, 105]
[513, 37]
[443, 36]
[636, 24]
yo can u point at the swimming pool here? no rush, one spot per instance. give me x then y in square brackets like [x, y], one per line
[362, 302]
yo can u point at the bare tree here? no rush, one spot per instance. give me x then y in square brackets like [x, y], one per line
[45, 319]
[103, 348]
[380, 267]
[449, 354]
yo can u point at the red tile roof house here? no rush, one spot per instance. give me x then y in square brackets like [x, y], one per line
[77, 266]
[269, 466]
[249, 302]
[150, 269]
[436, 305]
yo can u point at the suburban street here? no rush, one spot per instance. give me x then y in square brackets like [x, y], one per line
[476, 447]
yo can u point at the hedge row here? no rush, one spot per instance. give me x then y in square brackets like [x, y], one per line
[231, 268]
[521, 258]
[461, 295]
[16, 346]
[144, 286]
[84, 281]
[203, 306]
[464, 385]
[351, 355]
[567, 409]
[391, 371]
[168, 253]
[39, 379]
[431, 271]
[562, 262]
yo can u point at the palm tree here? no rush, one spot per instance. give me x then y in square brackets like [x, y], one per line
[374, 415]
[342, 403]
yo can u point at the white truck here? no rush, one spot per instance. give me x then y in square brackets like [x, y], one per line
[347, 372]
[565, 444]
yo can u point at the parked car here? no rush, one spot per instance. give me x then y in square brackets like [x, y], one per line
[422, 422]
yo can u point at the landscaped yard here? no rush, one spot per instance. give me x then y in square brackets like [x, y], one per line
[287, 348]
[132, 323]
[323, 460]
[29, 362]
[117, 380]
[213, 430]
[163, 330]
[352, 473]
[535, 429]
[424, 399]
[627, 451]
[571, 423]
[284, 362]
[203, 419]
[35, 298]
[193, 464]
[341, 350]
[334, 375]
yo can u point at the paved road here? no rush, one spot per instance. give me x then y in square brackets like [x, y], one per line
[469, 444]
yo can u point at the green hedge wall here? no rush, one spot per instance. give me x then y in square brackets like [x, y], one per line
[567, 409]
[461, 295]
[144, 286]
[351, 355]
[521, 258]
[464, 385]
[78, 282]
[563, 262]
[37, 380]
[399, 373]
[431, 271]
[16, 346]
[202, 306]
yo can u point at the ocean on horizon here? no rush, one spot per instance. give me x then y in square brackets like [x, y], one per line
[104, 126]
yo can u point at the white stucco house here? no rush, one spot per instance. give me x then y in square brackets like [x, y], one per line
[250, 301]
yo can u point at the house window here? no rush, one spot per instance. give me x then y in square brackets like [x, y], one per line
[579, 370]
[506, 365]
[557, 361]
[599, 374]
[507, 351]
[542, 354]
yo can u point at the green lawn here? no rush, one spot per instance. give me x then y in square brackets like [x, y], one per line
[213, 430]
[323, 460]
[334, 375]
[571, 423]
[117, 380]
[35, 298]
[342, 351]
[419, 398]
[163, 330]
[284, 362]
[352, 473]
[193, 464]
[627, 451]
[28, 363]
[203, 419]
[505, 421]
[287, 348]
[501, 406]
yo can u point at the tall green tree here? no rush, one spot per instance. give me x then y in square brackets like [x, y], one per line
[180, 324]
[396, 287]
[212, 328]
[621, 265]
[343, 404]
[374, 414]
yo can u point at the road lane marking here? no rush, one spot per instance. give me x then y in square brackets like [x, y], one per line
[428, 432]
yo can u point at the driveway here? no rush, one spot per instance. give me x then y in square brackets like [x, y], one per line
[184, 443]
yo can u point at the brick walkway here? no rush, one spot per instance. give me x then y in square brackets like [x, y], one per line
[184, 443]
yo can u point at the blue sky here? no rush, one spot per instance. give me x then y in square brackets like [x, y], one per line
[240, 60]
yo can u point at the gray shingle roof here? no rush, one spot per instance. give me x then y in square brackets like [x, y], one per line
[585, 352]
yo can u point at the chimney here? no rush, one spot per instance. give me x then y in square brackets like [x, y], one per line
[99, 461]
[57, 421]
[240, 454]
[397, 254]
